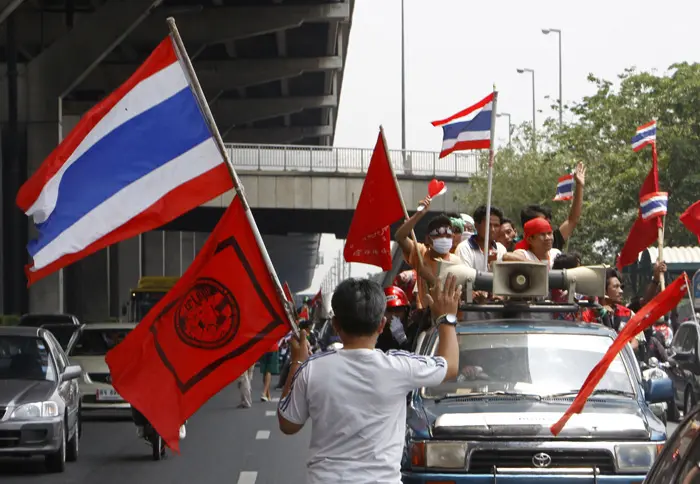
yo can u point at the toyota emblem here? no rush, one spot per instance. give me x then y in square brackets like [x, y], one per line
[542, 460]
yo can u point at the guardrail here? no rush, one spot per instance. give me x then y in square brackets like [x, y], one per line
[326, 159]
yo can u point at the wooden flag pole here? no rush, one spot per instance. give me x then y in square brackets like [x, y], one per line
[238, 186]
[660, 256]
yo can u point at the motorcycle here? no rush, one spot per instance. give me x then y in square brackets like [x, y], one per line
[147, 432]
[655, 371]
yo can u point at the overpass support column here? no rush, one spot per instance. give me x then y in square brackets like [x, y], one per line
[50, 76]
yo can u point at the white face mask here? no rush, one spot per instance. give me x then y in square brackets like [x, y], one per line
[397, 330]
[466, 235]
[442, 245]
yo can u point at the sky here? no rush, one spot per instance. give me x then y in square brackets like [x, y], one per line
[456, 50]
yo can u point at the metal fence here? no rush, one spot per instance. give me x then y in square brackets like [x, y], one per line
[325, 159]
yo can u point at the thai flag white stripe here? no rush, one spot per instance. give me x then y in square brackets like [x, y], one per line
[129, 202]
[466, 136]
[653, 212]
[644, 140]
[145, 95]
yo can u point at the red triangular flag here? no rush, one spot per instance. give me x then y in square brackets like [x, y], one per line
[648, 315]
[219, 319]
[379, 206]
[691, 219]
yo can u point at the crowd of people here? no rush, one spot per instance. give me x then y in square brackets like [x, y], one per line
[355, 396]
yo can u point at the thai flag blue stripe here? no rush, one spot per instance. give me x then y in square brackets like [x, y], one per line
[480, 122]
[646, 134]
[653, 205]
[126, 154]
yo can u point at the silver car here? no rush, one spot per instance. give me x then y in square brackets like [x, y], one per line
[39, 398]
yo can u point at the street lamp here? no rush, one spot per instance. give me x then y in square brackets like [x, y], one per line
[510, 126]
[403, 81]
[534, 109]
[561, 105]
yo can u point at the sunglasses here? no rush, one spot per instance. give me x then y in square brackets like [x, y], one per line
[440, 231]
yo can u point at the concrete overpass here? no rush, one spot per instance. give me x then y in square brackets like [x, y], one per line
[272, 71]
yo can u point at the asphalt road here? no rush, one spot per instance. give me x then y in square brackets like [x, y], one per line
[223, 445]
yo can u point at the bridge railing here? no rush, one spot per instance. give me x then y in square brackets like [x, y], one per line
[325, 159]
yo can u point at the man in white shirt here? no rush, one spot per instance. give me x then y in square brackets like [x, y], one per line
[537, 234]
[471, 251]
[356, 396]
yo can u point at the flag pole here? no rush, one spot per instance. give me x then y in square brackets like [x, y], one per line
[660, 257]
[398, 190]
[492, 153]
[238, 186]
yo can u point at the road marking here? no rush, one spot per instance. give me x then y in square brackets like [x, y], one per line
[270, 413]
[262, 435]
[276, 399]
[247, 477]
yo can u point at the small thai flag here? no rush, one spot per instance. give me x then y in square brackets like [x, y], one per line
[646, 135]
[565, 188]
[653, 205]
[474, 134]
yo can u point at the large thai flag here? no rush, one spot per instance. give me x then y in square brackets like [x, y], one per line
[139, 159]
[474, 134]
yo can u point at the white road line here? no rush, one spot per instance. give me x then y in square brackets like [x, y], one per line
[262, 435]
[270, 413]
[247, 477]
[276, 399]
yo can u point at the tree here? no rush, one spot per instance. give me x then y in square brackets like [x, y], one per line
[600, 136]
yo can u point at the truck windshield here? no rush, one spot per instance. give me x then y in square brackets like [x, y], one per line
[541, 364]
[142, 302]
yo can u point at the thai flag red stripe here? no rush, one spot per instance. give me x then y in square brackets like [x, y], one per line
[466, 112]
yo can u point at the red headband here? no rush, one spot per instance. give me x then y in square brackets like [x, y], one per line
[536, 226]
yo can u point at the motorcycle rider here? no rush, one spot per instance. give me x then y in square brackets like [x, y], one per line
[140, 421]
[399, 333]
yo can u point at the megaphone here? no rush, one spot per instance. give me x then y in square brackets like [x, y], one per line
[470, 279]
[520, 279]
[587, 280]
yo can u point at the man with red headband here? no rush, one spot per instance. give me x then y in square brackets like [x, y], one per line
[538, 236]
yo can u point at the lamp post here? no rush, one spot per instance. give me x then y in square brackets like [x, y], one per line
[561, 102]
[534, 109]
[510, 126]
[403, 81]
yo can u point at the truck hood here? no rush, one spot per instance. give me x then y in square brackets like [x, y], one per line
[609, 419]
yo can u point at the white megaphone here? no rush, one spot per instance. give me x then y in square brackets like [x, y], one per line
[586, 280]
[518, 279]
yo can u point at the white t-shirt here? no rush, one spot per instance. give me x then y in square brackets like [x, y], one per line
[356, 400]
[553, 253]
[471, 254]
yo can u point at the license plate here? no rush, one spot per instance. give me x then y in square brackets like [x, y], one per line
[108, 395]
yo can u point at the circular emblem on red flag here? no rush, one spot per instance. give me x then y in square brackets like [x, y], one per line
[208, 316]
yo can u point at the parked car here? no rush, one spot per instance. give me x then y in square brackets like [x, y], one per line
[38, 320]
[517, 378]
[679, 461]
[89, 351]
[685, 370]
[39, 398]
[66, 334]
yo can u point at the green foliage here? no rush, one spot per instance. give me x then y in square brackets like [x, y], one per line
[9, 319]
[600, 137]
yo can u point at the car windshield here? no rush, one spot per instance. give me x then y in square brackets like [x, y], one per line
[62, 332]
[526, 363]
[25, 358]
[97, 342]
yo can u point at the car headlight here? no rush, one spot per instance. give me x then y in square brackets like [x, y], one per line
[636, 457]
[36, 410]
[439, 455]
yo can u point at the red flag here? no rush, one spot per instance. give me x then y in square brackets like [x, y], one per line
[648, 315]
[216, 322]
[691, 219]
[644, 232]
[379, 206]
